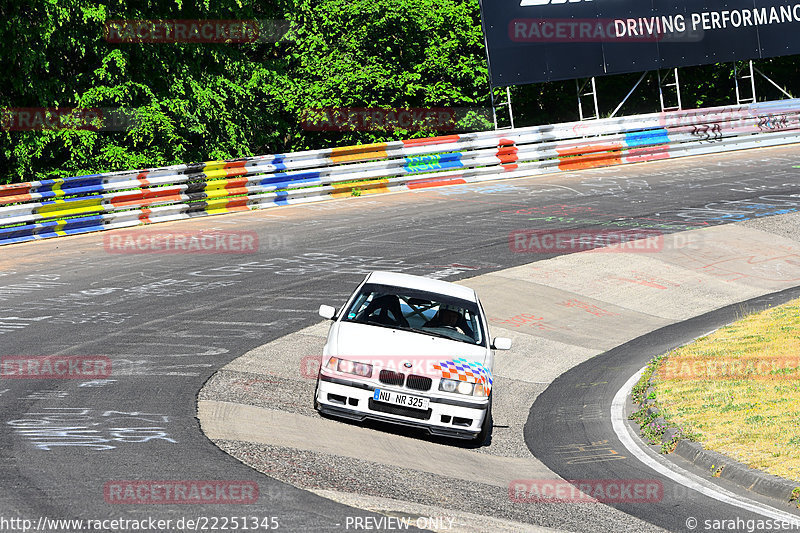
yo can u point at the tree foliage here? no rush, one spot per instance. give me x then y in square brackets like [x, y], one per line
[200, 101]
[385, 54]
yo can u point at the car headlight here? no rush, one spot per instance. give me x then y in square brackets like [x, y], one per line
[362, 369]
[453, 385]
[463, 387]
[448, 385]
[349, 367]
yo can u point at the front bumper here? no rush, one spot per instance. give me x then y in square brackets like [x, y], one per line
[445, 416]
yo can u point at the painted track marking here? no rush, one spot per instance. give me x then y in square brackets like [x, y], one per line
[677, 474]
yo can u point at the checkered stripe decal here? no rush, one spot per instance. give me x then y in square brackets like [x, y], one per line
[463, 370]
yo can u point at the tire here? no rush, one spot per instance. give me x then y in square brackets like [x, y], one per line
[316, 389]
[486, 427]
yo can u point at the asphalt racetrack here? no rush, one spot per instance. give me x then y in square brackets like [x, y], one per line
[168, 322]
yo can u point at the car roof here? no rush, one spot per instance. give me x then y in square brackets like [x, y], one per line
[422, 283]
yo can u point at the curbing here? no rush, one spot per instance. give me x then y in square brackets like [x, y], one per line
[721, 466]
[750, 478]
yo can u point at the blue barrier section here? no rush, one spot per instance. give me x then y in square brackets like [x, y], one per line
[646, 138]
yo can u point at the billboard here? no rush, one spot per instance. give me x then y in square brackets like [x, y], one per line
[530, 41]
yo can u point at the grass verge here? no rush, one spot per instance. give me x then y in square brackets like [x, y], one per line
[737, 391]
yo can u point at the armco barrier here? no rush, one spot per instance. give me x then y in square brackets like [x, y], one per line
[81, 204]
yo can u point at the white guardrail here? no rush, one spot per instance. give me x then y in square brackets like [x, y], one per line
[68, 206]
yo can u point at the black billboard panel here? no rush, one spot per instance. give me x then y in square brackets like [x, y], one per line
[632, 43]
[531, 41]
[781, 35]
[564, 34]
[720, 41]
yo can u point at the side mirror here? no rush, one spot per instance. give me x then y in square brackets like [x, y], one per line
[326, 311]
[501, 343]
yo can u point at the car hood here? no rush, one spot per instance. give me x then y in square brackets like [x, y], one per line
[351, 339]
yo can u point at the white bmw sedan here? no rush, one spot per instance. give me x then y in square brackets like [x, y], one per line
[412, 351]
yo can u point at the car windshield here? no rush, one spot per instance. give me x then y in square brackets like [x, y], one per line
[418, 311]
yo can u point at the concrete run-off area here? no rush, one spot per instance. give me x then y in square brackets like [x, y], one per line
[559, 312]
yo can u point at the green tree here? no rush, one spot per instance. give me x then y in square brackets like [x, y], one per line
[190, 101]
[384, 54]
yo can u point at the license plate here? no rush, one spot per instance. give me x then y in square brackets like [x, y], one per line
[396, 398]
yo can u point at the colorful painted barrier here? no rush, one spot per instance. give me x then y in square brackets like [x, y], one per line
[69, 206]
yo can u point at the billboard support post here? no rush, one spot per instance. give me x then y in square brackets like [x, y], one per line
[622, 103]
[748, 75]
[662, 83]
[581, 94]
[507, 104]
[781, 89]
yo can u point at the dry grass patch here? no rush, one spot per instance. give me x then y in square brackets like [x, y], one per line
[737, 390]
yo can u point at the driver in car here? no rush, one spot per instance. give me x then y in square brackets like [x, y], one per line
[450, 316]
